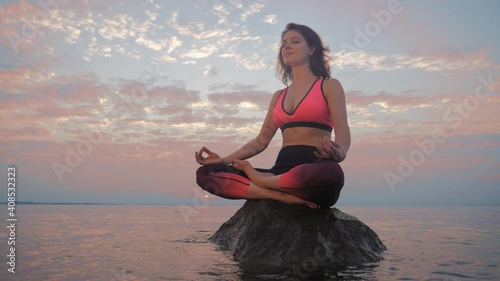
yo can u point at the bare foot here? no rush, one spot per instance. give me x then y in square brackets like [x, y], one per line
[270, 182]
[290, 199]
[256, 192]
[312, 205]
[264, 180]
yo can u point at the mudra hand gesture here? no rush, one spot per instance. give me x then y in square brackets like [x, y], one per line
[211, 158]
[329, 150]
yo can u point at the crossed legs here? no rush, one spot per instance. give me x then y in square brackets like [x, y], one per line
[319, 181]
[264, 180]
[267, 184]
[217, 180]
[256, 192]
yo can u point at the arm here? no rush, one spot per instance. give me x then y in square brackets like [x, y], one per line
[252, 148]
[335, 97]
[258, 144]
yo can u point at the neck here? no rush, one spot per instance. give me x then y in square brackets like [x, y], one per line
[302, 73]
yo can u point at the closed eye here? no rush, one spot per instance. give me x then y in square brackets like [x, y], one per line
[283, 44]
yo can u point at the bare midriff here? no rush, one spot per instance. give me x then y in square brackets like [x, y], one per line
[303, 136]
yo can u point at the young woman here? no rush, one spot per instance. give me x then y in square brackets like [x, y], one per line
[306, 169]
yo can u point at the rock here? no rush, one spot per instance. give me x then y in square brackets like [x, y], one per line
[276, 235]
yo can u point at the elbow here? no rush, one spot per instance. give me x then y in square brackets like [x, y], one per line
[343, 131]
[263, 140]
[260, 144]
[343, 137]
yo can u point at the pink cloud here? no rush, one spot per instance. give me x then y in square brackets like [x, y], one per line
[174, 109]
[64, 102]
[171, 95]
[24, 24]
[477, 59]
[235, 122]
[168, 166]
[26, 133]
[261, 99]
[185, 118]
[359, 99]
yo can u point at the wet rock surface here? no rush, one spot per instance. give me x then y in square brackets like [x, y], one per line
[277, 235]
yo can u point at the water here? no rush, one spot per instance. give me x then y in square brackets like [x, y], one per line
[118, 243]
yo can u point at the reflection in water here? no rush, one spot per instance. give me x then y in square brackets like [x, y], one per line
[68, 242]
[346, 272]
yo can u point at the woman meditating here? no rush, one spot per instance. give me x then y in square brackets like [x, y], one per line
[306, 169]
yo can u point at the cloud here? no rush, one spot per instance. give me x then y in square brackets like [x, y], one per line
[415, 115]
[211, 70]
[195, 29]
[382, 98]
[236, 87]
[73, 34]
[174, 109]
[270, 19]
[221, 11]
[26, 133]
[115, 28]
[201, 52]
[32, 25]
[252, 9]
[435, 61]
[202, 40]
[104, 35]
[151, 127]
[58, 103]
[255, 100]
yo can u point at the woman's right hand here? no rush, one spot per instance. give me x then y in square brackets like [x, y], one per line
[211, 158]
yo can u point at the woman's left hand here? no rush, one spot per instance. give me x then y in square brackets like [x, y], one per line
[329, 150]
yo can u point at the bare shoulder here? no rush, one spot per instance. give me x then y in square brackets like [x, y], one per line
[277, 93]
[275, 97]
[333, 88]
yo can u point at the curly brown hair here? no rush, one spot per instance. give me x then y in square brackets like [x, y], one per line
[320, 61]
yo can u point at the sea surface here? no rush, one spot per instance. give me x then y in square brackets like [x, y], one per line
[120, 242]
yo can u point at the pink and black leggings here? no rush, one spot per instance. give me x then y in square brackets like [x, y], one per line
[302, 175]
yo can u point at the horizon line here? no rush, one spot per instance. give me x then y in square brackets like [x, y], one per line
[170, 204]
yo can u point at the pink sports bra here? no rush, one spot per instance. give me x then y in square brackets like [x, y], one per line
[312, 111]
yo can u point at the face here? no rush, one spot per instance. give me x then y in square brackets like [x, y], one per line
[294, 48]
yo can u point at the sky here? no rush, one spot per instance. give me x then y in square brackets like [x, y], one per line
[107, 101]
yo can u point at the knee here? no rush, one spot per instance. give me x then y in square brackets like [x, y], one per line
[202, 176]
[329, 199]
[333, 173]
[328, 195]
[205, 180]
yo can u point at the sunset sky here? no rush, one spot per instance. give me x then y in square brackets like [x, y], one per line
[107, 101]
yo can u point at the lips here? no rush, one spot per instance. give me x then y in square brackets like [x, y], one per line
[287, 53]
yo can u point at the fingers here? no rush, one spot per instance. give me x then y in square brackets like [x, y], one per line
[328, 149]
[338, 151]
[199, 158]
[210, 158]
[334, 146]
[335, 152]
[324, 150]
[321, 153]
[202, 149]
[199, 155]
[238, 164]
